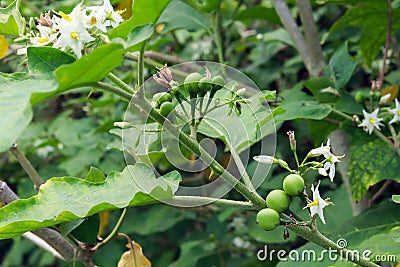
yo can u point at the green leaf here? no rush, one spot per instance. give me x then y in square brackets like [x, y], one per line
[15, 103]
[370, 161]
[321, 88]
[88, 69]
[143, 12]
[69, 198]
[340, 67]
[95, 176]
[371, 17]
[396, 198]
[137, 36]
[259, 12]
[44, 60]
[179, 15]
[11, 20]
[242, 131]
[348, 104]
[299, 105]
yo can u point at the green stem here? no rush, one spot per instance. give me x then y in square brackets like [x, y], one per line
[217, 37]
[112, 89]
[120, 83]
[316, 237]
[242, 169]
[341, 114]
[114, 232]
[141, 67]
[394, 135]
[27, 166]
[196, 200]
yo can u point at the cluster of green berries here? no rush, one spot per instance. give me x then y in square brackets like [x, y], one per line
[163, 101]
[278, 201]
[361, 96]
[198, 85]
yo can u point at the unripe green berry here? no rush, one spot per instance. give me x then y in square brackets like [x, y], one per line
[268, 219]
[360, 97]
[205, 84]
[293, 184]
[166, 108]
[377, 94]
[278, 200]
[191, 82]
[218, 82]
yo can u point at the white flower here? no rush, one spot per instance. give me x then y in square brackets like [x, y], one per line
[384, 99]
[265, 159]
[370, 121]
[322, 150]
[96, 18]
[330, 165]
[330, 159]
[73, 33]
[396, 112]
[316, 207]
[113, 16]
[47, 35]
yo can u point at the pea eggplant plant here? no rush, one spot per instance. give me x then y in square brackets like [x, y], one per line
[181, 111]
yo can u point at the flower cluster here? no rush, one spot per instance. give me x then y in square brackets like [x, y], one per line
[326, 167]
[371, 120]
[76, 29]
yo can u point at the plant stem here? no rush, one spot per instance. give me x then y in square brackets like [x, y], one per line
[294, 32]
[111, 88]
[114, 232]
[217, 37]
[141, 67]
[27, 166]
[120, 83]
[387, 43]
[225, 203]
[242, 169]
[394, 135]
[316, 237]
[317, 61]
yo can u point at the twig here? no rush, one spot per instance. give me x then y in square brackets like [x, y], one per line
[388, 37]
[242, 169]
[54, 239]
[163, 57]
[42, 244]
[294, 32]
[380, 191]
[317, 61]
[120, 83]
[113, 233]
[27, 166]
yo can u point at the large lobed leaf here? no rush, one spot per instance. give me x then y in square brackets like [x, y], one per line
[69, 198]
[370, 161]
[371, 17]
[15, 108]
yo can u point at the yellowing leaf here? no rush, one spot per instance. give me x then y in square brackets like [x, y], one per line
[127, 6]
[134, 257]
[104, 221]
[393, 90]
[3, 46]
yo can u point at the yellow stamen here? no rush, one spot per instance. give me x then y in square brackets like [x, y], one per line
[398, 112]
[120, 11]
[372, 121]
[314, 203]
[74, 35]
[43, 39]
[65, 16]
[93, 20]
